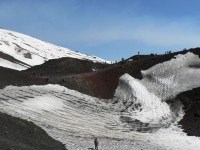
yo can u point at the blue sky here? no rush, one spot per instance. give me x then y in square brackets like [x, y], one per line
[110, 29]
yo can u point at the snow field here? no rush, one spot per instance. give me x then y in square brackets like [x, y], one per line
[136, 118]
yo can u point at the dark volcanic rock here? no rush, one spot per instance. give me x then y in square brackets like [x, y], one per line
[197, 114]
[18, 134]
[191, 120]
[65, 66]
[18, 78]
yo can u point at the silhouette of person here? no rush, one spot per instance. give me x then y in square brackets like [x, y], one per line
[96, 143]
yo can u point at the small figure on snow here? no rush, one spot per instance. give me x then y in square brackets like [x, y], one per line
[96, 143]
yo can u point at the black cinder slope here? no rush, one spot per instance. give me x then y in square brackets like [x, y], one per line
[18, 134]
[65, 66]
[18, 78]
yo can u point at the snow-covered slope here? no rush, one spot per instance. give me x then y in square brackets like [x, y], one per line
[32, 51]
[136, 118]
[75, 119]
[145, 100]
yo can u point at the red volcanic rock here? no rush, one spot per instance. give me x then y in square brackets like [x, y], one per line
[101, 83]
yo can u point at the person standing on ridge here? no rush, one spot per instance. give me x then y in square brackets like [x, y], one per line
[96, 143]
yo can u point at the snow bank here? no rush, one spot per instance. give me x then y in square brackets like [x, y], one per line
[139, 102]
[173, 77]
[144, 100]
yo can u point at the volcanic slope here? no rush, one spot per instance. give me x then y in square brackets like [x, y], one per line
[132, 67]
[66, 66]
[25, 51]
[18, 134]
[135, 64]
[190, 99]
[18, 78]
[95, 79]
[102, 84]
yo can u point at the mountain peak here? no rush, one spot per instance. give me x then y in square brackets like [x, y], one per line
[27, 51]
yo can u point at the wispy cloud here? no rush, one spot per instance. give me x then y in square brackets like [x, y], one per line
[103, 26]
[168, 35]
[171, 33]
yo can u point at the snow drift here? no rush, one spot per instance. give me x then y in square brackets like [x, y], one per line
[145, 100]
[173, 77]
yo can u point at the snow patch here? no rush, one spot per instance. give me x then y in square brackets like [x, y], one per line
[8, 64]
[48, 103]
